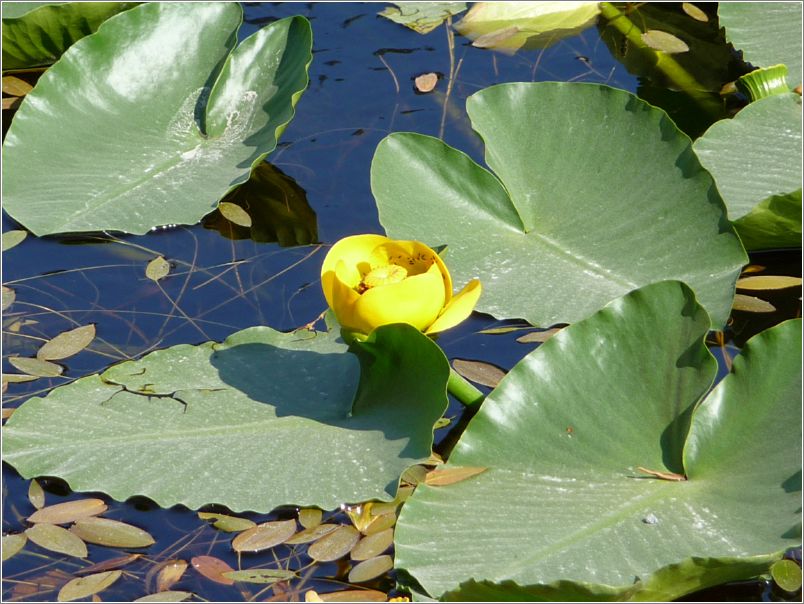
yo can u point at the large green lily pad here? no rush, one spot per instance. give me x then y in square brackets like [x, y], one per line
[37, 33]
[564, 510]
[767, 33]
[754, 157]
[262, 420]
[598, 194]
[152, 119]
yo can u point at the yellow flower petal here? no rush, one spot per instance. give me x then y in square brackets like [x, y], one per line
[340, 296]
[459, 308]
[353, 251]
[417, 301]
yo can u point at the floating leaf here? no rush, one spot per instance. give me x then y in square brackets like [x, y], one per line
[11, 102]
[17, 378]
[787, 575]
[370, 569]
[768, 282]
[694, 12]
[752, 304]
[166, 596]
[373, 545]
[664, 41]
[380, 523]
[767, 33]
[509, 26]
[37, 33]
[57, 539]
[12, 238]
[443, 476]
[83, 587]
[230, 524]
[152, 159]
[213, 569]
[157, 269]
[426, 82]
[234, 213]
[14, 86]
[109, 564]
[597, 522]
[243, 407]
[350, 595]
[8, 297]
[69, 511]
[112, 533]
[36, 367]
[538, 336]
[311, 534]
[335, 545]
[479, 372]
[169, 574]
[422, 17]
[501, 228]
[36, 495]
[12, 544]
[260, 575]
[67, 343]
[264, 536]
[310, 517]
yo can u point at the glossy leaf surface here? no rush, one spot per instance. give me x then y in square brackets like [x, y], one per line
[610, 179]
[562, 511]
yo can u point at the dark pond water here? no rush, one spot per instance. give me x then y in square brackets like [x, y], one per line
[361, 89]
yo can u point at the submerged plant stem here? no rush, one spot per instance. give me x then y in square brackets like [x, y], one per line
[460, 388]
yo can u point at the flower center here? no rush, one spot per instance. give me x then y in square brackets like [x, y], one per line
[382, 275]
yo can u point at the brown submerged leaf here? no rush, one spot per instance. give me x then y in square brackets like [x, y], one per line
[264, 536]
[83, 587]
[57, 539]
[112, 533]
[444, 476]
[69, 511]
[212, 568]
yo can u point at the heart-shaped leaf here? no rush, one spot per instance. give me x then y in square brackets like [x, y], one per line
[169, 117]
[563, 512]
[598, 192]
[224, 423]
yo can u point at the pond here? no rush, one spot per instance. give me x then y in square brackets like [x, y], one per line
[220, 278]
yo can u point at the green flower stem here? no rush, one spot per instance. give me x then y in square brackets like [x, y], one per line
[461, 389]
[679, 76]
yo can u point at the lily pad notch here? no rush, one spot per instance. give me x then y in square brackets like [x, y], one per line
[152, 158]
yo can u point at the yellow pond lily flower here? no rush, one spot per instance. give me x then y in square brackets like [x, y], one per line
[371, 280]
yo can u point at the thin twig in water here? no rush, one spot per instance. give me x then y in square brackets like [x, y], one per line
[391, 71]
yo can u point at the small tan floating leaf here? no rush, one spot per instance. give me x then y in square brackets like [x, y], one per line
[767, 282]
[751, 304]
[373, 545]
[67, 343]
[157, 269]
[694, 12]
[12, 544]
[444, 476]
[370, 569]
[787, 575]
[166, 596]
[414, 474]
[229, 524]
[14, 86]
[69, 511]
[170, 574]
[753, 268]
[36, 495]
[83, 587]
[16, 378]
[334, 545]
[311, 595]
[7, 412]
[260, 575]
[379, 524]
[426, 82]
[234, 213]
[112, 533]
[351, 595]
[36, 367]
[110, 564]
[11, 102]
[311, 534]
[57, 539]
[402, 494]
[498, 331]
[479, 372]
[310, 517]
[538, 336]
[12, 238]
[212, 568]
[265, 535]
[664, 41]
[9, 295]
